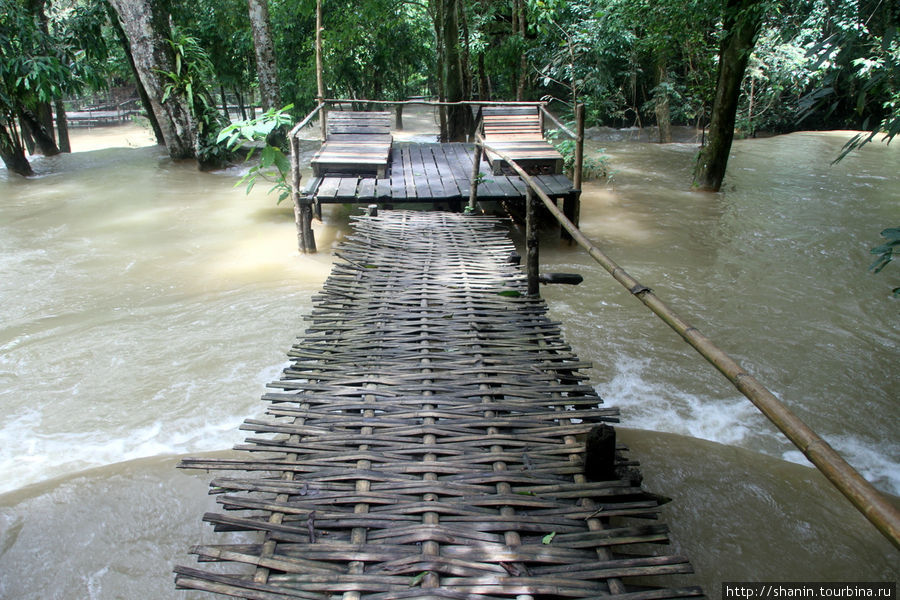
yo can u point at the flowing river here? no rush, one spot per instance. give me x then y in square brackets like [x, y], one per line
[144, 305]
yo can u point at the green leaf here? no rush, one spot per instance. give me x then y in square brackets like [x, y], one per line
[548, 538]
[267, 157]
[510, 293]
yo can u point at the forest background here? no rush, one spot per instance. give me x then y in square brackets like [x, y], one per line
[794, 64]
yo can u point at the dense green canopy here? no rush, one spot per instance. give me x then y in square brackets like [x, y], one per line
[815, 63]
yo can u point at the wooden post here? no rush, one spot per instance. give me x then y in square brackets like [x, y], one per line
[305, 232]
[295, 189]
[600, 453]
[532, 261]
[572, 202]
[572, 210]
[476, 164]
[579, 146]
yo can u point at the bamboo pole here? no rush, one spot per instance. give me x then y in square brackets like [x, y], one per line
[532, 244]
[579, 147]
[306, 241]
[557, 122]
[296, 130]
[295, 184]
[476, 164]
[436, 103]
[862, 494]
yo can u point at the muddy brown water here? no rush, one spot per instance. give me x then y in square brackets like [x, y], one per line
[144, 306]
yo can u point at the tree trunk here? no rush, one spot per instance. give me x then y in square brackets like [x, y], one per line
[436, 7]
[27, 138]
[458, 116]
[241, 105]
[146, 26]
[266, 68]
[663, 117]
[742, 21]
[483, 85]
[44, 139]
[142, 93]
[62, 127]
[224, 103]
[12, 152]
[521, 28]
[465, 59]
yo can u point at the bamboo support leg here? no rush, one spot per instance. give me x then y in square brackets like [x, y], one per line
[532, 260]
[572, 210]
[476, 163]
[305, 236]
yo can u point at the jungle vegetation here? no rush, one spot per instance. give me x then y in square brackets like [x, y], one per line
[736, 67]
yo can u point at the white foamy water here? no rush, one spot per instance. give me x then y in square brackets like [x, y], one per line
[773, 269]
[145, 306]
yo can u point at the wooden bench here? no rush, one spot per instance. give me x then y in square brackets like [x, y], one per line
[357, 143]
[518, 133]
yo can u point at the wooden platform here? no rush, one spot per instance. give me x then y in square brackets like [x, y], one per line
[424, 443]
[428, 173]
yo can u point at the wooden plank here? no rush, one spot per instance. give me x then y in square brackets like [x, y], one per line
[408, 177]
[383, 188]
[366, 189]
[398, 185]
[347, 188]
[312, 184]
[328, 188]
[432, 176]
[420, 181]
[447, 177]
[459, 158]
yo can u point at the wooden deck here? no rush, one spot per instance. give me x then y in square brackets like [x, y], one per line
[428, 173]
[424, 443]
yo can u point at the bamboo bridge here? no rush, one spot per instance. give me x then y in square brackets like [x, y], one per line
[428, 441]
[433, 436]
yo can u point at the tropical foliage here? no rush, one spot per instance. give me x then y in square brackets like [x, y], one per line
[815, 64]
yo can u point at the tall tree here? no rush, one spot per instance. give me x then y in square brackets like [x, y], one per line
[29, 75]
[741, 27]
[450, 77]
[266, 67]
[146, 25]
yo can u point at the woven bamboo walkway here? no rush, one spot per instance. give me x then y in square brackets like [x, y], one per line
[424, 443]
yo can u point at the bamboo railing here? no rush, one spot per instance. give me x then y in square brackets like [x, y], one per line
[874, 505]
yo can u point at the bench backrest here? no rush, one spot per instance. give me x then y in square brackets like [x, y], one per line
[358, 123]
[513, 122]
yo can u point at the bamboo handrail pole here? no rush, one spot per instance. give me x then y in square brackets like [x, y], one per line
[296, 130]
[295, 186]
[579, 146]
[532, 244]
[862, 494]
[435, 102]
[558, 123]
